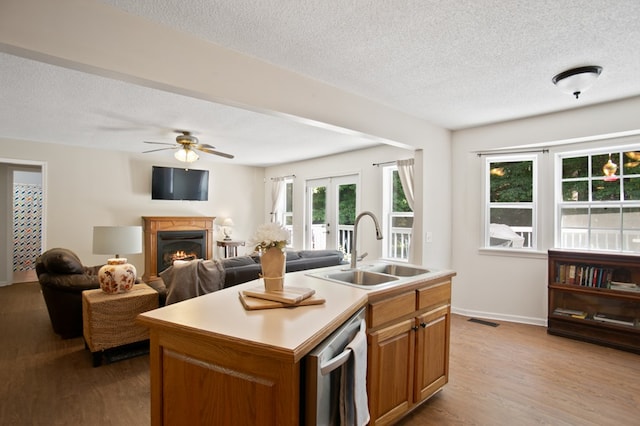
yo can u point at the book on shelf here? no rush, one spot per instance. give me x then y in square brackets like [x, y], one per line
[615, 285]
[615, 319]
[584, 275]
[574, 313]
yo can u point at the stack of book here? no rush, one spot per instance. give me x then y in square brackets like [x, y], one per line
[615, 285]
[259, 298]
[573, 313]
[616, 319]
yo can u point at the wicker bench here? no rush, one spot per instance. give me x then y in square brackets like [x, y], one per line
[109, 319]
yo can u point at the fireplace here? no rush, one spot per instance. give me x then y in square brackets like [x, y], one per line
[179, 245]
[171, 238]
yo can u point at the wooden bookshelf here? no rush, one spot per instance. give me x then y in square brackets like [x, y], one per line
[594, 297]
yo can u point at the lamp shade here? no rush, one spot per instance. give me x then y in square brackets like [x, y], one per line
[227, 222]
[117, 240]
[577, 80]
[186, 155]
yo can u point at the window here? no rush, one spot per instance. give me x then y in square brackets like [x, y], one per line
[287, 213]
[599, 201]
[510, 216]
[284, 212]
[397, 217]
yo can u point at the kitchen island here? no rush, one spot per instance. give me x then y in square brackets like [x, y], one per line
[213, 362]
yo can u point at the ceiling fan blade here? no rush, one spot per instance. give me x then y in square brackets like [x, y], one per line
[159, 149]
[221, 154]
[161, 143]
[204, 146]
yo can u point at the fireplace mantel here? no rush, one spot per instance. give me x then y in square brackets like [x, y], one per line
[153, 224]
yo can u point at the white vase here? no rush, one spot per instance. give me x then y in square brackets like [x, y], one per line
[273, 263]
[117, 276]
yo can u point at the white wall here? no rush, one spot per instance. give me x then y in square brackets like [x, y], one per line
[87, 187]
[513, 287]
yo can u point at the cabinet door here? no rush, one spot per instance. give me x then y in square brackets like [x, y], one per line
[390, 371]
[432, 352]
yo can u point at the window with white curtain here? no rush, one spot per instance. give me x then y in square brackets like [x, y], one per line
[397, 219]
[283, 204]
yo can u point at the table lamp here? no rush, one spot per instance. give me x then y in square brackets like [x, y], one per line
[117, 276]
[226, 228]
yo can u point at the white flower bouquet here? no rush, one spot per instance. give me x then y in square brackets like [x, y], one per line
[269, 235]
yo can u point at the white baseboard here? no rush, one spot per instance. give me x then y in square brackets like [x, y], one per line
[542, 322]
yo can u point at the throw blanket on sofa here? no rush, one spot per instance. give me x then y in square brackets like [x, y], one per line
[185, 280]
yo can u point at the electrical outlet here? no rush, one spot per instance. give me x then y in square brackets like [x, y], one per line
[428, 237]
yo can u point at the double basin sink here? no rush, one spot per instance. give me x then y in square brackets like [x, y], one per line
[374, 275]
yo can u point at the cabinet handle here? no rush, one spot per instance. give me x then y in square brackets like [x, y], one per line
[423, 324]
[415, 328]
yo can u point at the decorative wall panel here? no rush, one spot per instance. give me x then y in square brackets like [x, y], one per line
[27, 225]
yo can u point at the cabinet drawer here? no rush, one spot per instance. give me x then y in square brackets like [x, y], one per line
[439, 294]
[389, 309]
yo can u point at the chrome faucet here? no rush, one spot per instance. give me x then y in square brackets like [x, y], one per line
[354, 252]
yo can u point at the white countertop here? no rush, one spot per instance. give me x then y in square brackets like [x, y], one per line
[288, 331]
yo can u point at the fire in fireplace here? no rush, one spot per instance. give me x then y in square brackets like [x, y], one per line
[179, 245]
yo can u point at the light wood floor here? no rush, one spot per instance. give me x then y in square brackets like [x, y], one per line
[510, 375]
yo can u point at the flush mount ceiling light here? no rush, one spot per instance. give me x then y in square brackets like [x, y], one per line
[577, 80]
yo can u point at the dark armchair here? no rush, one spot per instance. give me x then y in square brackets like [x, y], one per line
[63, 278]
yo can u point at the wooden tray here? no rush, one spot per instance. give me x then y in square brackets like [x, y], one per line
[290, 295]
[253, 303]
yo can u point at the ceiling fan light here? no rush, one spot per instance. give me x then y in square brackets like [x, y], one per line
[186, 155]
[577, 80]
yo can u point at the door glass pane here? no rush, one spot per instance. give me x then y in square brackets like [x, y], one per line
[347, 204]
[318, 218]
[346, 216]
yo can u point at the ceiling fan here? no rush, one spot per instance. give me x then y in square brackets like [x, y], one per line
[186, 147]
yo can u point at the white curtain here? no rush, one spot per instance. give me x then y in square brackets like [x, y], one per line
[276, 197]
[405, 172]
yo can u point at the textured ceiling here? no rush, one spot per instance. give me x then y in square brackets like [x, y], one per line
[454, 64]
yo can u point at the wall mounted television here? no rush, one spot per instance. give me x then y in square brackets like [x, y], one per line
[170, 183]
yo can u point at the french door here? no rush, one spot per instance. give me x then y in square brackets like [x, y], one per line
[331, 205]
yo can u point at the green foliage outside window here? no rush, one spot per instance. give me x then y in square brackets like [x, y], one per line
[511, 182]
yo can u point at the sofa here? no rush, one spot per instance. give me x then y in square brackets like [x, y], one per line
[241, 269]
[63, 278]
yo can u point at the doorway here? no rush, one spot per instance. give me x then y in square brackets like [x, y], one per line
[331, 205]
[23, 215]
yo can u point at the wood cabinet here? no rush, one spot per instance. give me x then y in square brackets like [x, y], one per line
[592, 297]
[408, 349]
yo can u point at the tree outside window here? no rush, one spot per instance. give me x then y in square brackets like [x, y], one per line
[600, 201]
[511, 201]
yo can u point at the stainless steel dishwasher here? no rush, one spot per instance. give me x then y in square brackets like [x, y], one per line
[322, 373]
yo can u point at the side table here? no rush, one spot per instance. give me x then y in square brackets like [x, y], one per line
[230, 247]
[108, 320]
